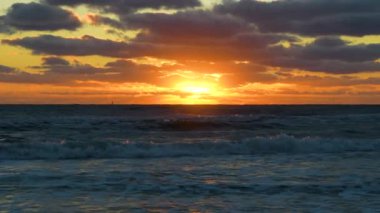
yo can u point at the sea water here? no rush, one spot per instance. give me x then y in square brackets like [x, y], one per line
[189, 158]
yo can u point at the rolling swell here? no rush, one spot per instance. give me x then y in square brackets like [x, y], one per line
[249, 146]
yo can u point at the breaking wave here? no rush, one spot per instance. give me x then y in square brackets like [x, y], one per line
[249, 146]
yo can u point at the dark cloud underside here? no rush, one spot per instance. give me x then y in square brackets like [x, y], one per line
[310, 17]
[122, 7]
[34, 16]
[6, 69]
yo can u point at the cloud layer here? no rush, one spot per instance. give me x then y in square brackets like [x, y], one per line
[310, 17]
[122, 7]
[234, 43]
[34, 16]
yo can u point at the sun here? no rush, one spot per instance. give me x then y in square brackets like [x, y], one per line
[197, 92]
[196, 88]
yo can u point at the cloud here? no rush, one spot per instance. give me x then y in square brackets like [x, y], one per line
[327, 81]
[34, 16]
[102, 20]
[334, 48]
[56, 70]
[6, 69]
[326, 66]
[4, 28]
[327, 54]
[309, 17]
[189, 25]
[55, 61]
[191, 41]
[122, 7]
[62, 66]
[199, 29]
[196, 27]
[200, 35]
[87, 45]
[203, 35]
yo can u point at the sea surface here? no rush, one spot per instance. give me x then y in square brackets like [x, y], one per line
[134, 158]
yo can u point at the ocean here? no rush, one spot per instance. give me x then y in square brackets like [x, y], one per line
[77, 158]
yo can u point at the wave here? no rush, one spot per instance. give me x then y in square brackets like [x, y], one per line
[249, 146]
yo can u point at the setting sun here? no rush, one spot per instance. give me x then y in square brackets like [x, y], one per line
[197, 92]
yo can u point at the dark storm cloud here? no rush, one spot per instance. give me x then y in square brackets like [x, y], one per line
[122, 7]
[34, 16]
[309, 17]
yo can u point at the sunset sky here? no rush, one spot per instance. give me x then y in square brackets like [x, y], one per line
[190, 52]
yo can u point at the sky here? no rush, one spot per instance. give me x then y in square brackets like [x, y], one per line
[189, 52]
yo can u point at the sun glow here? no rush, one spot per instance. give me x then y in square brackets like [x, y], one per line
[197, 92]
[196, 88]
